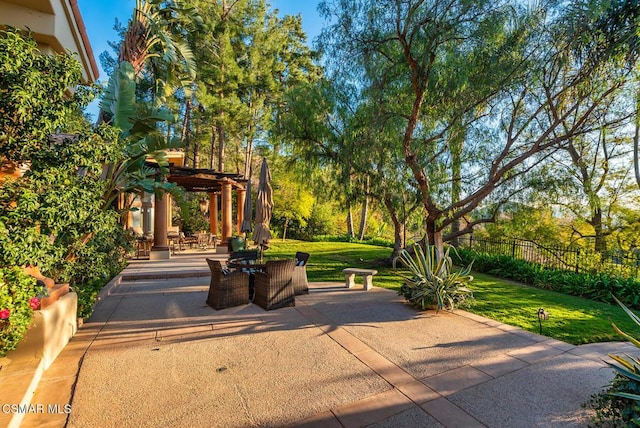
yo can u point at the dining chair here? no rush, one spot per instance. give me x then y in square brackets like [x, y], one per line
[227, 288]
[299, 278]
[273, 287]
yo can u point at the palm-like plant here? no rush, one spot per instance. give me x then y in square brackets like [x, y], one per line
[141, 140]
[434, 283]
[156, 39]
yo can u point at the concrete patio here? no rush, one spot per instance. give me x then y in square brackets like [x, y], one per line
[154, 355]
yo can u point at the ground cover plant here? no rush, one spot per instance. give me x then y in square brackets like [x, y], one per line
[572, 319]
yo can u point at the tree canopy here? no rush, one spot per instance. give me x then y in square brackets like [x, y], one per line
[470, 98]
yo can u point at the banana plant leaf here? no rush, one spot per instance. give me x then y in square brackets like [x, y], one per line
[119, 100]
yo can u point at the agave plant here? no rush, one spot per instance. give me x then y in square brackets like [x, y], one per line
[629, 366]
[619, 404]
[433, 282]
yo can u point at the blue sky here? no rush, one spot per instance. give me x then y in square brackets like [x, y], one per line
[99, 17]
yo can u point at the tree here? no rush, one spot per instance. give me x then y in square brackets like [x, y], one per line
[292, 201]
[521, 75]
[247, 59]
[138, 134]
[613, 34]
[154, 44]
[599, 172]
[327, 127]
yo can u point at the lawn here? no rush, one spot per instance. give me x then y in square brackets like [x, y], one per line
[571, 319]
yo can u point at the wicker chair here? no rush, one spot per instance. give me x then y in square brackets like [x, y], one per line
[226, 290]
[299, 280]
[273, 288]
[243, 255]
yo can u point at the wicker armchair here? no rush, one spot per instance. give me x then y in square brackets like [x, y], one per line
[273, 288]
[299, 279]
[226, 290]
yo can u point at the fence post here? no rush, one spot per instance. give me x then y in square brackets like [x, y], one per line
[578, 260]
[513, 249]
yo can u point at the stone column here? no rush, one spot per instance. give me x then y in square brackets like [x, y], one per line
[160, 249]
[227, 221]
[241, 194]
[213, 213]
[146, 213]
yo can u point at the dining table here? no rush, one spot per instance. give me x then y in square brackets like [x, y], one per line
[251, 267]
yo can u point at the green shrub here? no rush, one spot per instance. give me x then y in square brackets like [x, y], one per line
[321, 221]
[598, 286]
[19, 296]
[434, 282]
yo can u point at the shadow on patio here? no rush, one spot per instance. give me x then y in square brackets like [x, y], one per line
[340, 357]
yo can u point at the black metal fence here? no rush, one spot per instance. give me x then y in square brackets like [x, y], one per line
[622, 263]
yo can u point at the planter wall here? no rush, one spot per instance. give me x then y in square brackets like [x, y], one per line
[49, 332]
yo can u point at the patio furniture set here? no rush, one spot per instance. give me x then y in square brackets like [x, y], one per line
[178, 241]
[270, 285]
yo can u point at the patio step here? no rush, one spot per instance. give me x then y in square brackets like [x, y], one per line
[164, 275]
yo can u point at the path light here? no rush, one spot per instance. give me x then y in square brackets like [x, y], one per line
[542, 316]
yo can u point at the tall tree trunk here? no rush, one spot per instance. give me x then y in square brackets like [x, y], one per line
[247, 157]
[601, 239]
[434, 236]
[249, 149]
[398, 228]
[221, 144]
[284, 228]
[237, 156]
[186, 134]
[196, 155]
[456, 179]
[364, 212]
[214, 132]
[350, 233]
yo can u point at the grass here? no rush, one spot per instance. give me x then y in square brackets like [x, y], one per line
[571, 319]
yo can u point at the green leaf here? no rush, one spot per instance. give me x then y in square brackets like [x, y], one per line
[119, 100]
[635, 397]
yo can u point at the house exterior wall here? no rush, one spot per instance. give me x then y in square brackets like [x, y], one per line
[56, 25]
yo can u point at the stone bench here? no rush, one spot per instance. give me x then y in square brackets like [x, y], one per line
[367, 277]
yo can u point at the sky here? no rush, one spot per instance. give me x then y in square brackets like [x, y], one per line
[99, 18]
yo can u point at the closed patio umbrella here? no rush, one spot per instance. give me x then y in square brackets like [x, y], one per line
[264, 208]
[245, 227]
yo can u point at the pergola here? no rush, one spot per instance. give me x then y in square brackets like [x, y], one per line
[217, 185]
